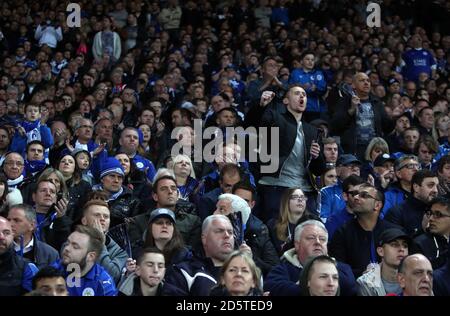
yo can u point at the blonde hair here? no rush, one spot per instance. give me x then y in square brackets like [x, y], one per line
[181, 157]
[256, 272]
[376, 142]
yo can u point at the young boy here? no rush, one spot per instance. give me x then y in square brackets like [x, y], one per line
[32, 128]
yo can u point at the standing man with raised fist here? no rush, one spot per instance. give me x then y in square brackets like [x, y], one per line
[297, 151]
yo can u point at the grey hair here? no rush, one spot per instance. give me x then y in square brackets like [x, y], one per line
[238, 204]
[312, 222]
[78, 123]
[12, 88]
[207, 222]
[30, 213]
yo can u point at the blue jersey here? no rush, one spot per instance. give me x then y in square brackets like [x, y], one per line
[314, 77]
[417, 61]
[145, 166]
[97, 282]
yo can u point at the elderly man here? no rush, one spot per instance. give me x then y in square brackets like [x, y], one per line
[311, 239]
[196, 276]
[249, 231]
[415, 276]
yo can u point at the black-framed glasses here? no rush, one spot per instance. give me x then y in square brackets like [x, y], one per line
[411, 166]
[366, 195]
[435, 214]
[353, 193]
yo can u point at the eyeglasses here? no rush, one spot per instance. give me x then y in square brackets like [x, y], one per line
[366, 195]
[14, 163]
[353, 193]
[411, 166]
[435, 214]
[301, 198]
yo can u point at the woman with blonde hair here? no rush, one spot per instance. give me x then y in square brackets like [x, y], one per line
[292, 212]
[376, 147]
[188, 186]
[239, 276]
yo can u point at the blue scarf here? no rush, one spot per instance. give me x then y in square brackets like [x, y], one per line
[32, 167]
[29, 126]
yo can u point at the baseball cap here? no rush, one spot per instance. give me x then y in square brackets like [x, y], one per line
[392, 234]
[393, 80]
[347, 159]
[162, 212]
[381, 159]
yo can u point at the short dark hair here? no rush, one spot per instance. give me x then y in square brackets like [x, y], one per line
[442, 162]
[147, 251]
[45, 273]
[34, 142]
[244, 185]
[419, 176]
[441, 201]
[351, 180]
[155, 184]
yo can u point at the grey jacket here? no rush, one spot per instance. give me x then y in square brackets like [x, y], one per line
[370, 284]
[113, 259]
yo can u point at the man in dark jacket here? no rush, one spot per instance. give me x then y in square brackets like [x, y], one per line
[16, 273]
[298, 153]
[311, 239]
[359, 118]
[53, 225]
[441, 276]
[23, 223]
[196, 276]
[433, 244]
[355, 242]
[410, 213]
[121, 201]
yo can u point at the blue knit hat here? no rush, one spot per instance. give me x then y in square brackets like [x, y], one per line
[111, 165]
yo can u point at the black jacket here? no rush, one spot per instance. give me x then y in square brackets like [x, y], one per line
[352, 244]
[344, 125]
[257, 237]
[276, 115]
[11, 273]
[434, 247]
[126, 205]
[408, 215]
[78, 195]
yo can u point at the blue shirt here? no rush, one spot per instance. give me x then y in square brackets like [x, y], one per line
[97, 282]
[331, 200]
[145, 165]
[417, 61]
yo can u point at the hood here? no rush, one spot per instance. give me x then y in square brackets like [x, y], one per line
[127, 286]
[291, 257]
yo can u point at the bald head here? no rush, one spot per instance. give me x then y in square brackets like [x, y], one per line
[6, 235]
[415, 276]
[361, 85]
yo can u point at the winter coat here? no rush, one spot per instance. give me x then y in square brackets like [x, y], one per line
[282, 279]
[408, 215]
[352, 244]
[434, 247]
[113, 259]
[344, 125]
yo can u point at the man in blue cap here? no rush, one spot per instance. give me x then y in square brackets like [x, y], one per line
[331, 198]
[121, 201]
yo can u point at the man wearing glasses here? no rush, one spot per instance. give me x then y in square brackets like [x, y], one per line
[404, 168]
[409, 214]
[355, 242]
[433, 244]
